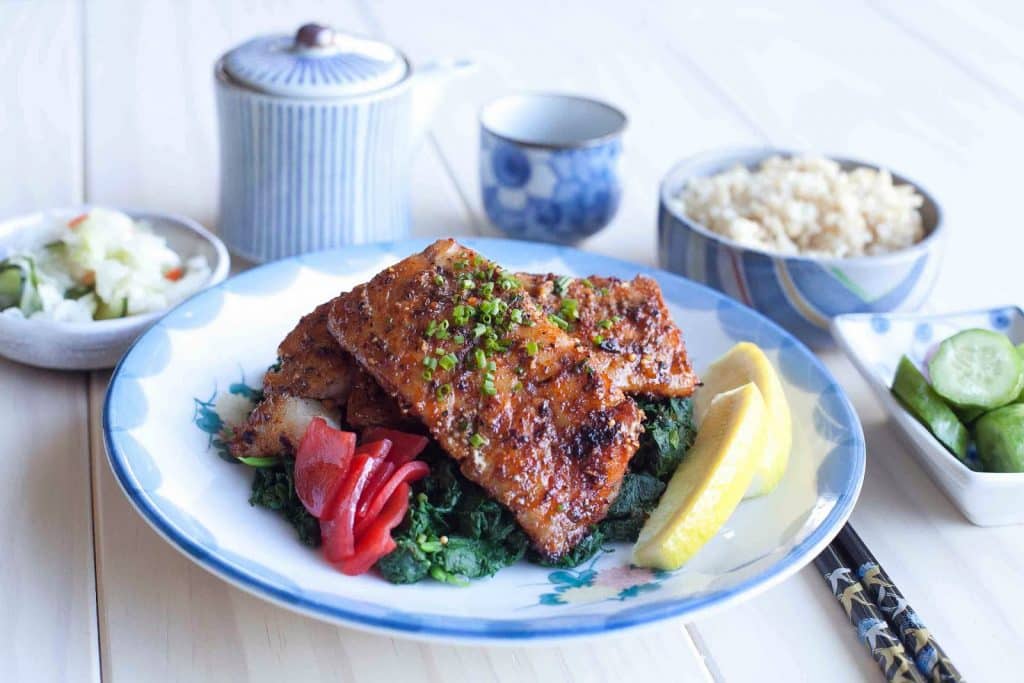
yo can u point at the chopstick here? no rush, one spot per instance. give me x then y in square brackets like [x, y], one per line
[871, 626]
[931, 660]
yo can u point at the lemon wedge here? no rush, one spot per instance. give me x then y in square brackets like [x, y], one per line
[744, 363]
[709, 483]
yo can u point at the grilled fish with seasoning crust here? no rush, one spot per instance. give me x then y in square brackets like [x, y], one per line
[627, 324]
[312, 379]
[624, 322]
[512, 398]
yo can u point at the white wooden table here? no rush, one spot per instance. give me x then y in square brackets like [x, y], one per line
[111, 102]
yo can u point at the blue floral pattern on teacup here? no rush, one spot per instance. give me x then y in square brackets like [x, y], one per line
[553, 195]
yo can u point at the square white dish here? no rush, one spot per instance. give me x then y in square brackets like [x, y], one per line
[875, 343]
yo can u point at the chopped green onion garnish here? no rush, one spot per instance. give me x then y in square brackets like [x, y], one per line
[605, 324]
[491, 367]
[561, 284]
[479, 329]
[461, 314]
[459, 339]
[448, 361]
[570, 309]
[438, 280]
[489, 389]
[430, 362]
[428, 375]
[531, 348]
[444, 390]
[261, 462]
[517, 387]
[476, 441]
[461, 264]
[561, 323]
[516, 315]
[487, 288]
[597, 339]
[481, 359]
[587, 283]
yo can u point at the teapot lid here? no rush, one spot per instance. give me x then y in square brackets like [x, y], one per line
[316, 62]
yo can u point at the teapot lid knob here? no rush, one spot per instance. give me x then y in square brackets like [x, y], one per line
[314, 35]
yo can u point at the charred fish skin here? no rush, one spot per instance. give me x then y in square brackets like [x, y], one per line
[522, 409]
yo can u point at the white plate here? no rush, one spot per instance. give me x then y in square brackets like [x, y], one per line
[190, 370]
[876, 342]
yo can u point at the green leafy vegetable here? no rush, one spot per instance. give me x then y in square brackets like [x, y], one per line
[274, 489]
[668, 433]
[454, 532]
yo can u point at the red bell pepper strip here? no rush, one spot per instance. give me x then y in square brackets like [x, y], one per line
[379, 479]
[376, 542]
[404, 446]
[337, 530]
[406, 474]
[321, 463]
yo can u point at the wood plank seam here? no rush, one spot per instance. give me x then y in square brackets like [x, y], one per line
[1012, 100]
[714, 673]
[717, 91]
[89, 378]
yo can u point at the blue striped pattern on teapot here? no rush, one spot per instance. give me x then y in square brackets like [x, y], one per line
[303, 175]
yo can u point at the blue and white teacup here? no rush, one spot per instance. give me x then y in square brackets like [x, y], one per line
[549, 165]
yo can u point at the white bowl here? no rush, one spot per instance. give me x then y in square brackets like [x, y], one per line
[875, 344]
[100, 343]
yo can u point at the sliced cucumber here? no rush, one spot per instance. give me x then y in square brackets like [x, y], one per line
[1000, 439]
[110, 310]
[977, 369]
[913, 390]
[10, 285]
[1020, 352]
[30, 301]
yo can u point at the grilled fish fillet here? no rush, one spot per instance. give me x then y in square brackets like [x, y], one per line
[277, 424]
[551, 441]
[309, 362]
[313, 377]
[369, 406]
[626, 324]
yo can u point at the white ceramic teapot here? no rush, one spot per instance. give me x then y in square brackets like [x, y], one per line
[317, 133]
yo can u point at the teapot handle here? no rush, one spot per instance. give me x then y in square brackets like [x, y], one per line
[429, 83]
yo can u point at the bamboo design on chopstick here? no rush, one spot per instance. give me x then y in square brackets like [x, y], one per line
[871, 626]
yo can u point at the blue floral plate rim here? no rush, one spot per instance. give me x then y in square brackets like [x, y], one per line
[447, 628]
